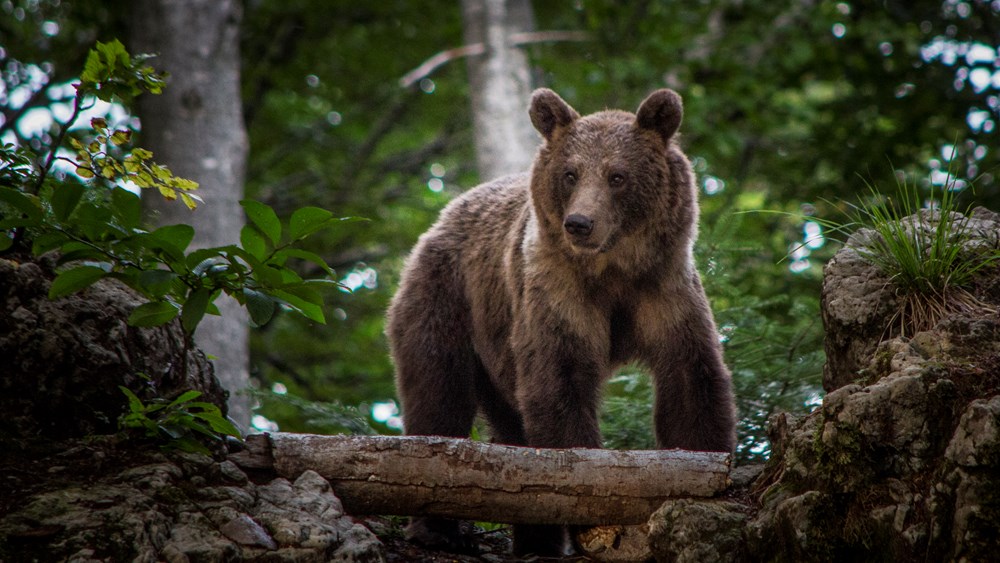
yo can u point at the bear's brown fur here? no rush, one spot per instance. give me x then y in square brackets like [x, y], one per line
[530, 290]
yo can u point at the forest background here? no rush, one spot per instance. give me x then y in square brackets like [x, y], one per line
[793, 110]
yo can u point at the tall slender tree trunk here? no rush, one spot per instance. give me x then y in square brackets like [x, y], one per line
[196, 128]
[500, 83]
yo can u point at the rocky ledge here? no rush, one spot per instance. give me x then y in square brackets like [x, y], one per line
[902, 460]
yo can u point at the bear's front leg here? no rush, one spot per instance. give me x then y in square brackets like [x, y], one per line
[694, 406]
[558, 382]
[557, 395]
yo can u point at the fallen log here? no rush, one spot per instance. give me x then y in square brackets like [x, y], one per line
[434, 476]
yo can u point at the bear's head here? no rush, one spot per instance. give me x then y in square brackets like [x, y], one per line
[600, 178]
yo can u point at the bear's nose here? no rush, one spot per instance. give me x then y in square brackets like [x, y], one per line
[578, 225]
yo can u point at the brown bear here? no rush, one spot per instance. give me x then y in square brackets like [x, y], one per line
[530, 290]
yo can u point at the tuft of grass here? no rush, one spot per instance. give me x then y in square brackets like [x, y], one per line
[924, 252]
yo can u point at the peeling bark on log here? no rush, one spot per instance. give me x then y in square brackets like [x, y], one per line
[433, 476]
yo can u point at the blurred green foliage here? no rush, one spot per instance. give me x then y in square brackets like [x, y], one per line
[786, 104]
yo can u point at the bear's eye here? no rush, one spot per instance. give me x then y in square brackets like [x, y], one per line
[616, 179]
[569, 178]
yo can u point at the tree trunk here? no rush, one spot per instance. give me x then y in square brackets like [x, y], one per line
[433, 476]
[500, 85]
[196, 128]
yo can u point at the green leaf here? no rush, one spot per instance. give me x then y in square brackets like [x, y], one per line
[201, 255]
[158, 404]
[259, 305]
[94, 68]
[306, 221]
[24, 203]
[173, 240]
[73, 252]
[191, 200]
[121, 136]
[190, 445]
[253, 242]
[137, 420]
[134, 402]
[94, 220]
[325, 283]
[75, 279]
[218, 423]
[154, 313]
[190, 422]
[285, 253]
[15, 222]
[232, 252]
[65, 198]
[205, 265]
[301, 290]
[289, 277]
[194, 309]
[127, 207]
[175, 433]
[156, 282]
[179, 236]
[265, 218]
[269, 275]
[46, 242]
[308, 310]
[185, 397]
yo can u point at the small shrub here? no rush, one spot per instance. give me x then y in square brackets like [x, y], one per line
[178, 423]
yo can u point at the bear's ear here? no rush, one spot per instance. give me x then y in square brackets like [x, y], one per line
[661, 112]
[549, 112]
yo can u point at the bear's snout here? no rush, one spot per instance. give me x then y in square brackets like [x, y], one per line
[578, 225]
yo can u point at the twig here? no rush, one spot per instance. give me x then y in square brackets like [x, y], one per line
[532, 37]
[63, 129]
[439, 60]
[476, 49]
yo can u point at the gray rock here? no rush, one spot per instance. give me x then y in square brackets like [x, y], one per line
[698, 531]
[615, 544]
[902, 461]
[859, 301]
[856, 302]
[245, 531]
[358, 544]
[976, 442]
[155, 512]
[232, 472]
[802, 523]
[78, 349]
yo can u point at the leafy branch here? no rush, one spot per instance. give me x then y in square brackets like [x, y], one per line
[95, 223]
[92, 221]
